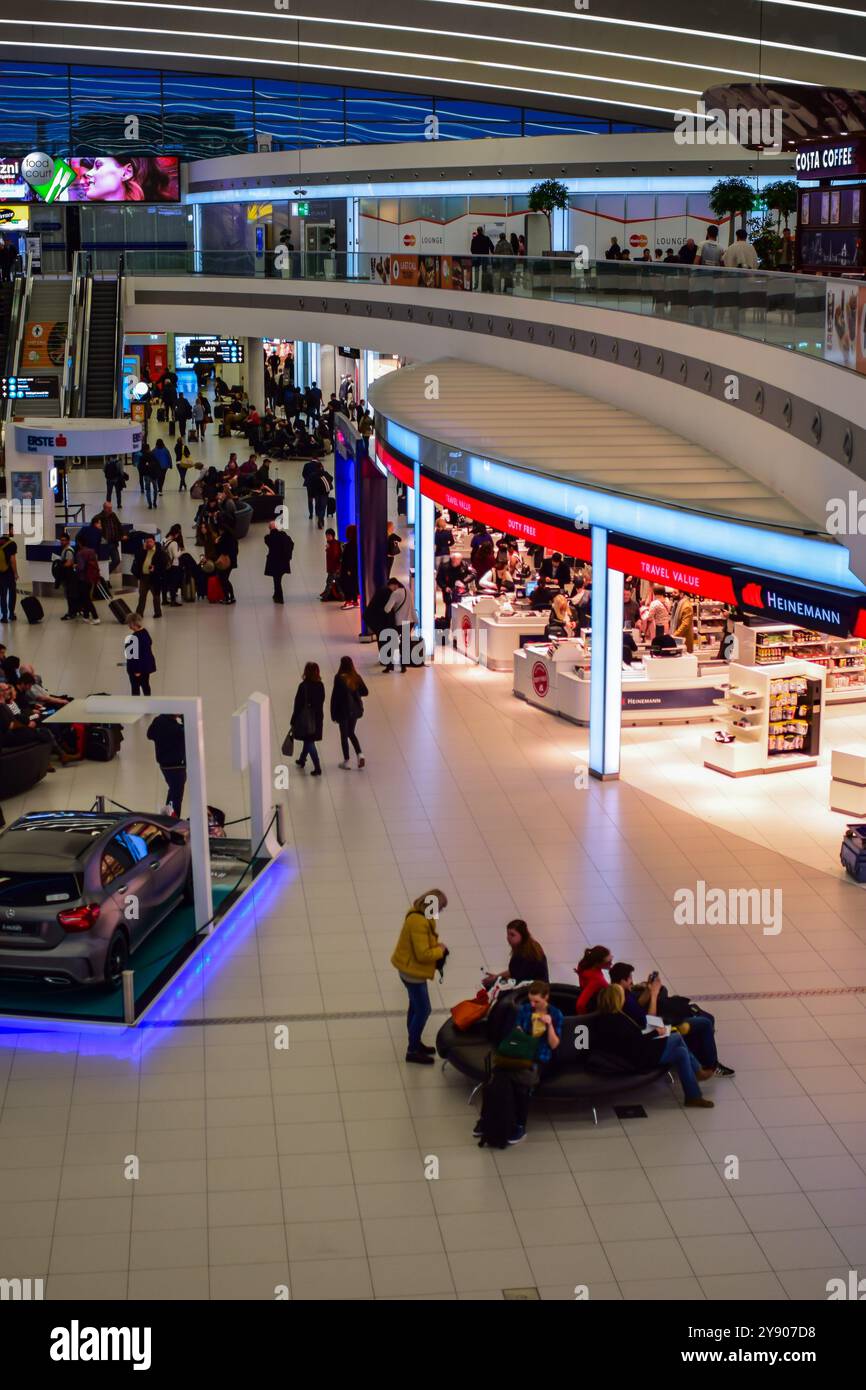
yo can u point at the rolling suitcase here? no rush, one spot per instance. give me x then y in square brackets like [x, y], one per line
[171, 428]
[102, 742]
[215, 591]
[853, 852]
[120, 610]
[32, 609]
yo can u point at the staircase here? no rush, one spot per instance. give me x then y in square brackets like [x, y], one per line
[101, 361]
[45, 337]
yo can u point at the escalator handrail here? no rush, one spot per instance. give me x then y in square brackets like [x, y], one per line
[75, 363]
[24, 302]
[117, 394]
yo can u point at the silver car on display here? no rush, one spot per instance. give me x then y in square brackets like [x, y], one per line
[81, 890]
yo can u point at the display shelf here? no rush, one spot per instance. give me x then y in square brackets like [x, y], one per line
[780, 727]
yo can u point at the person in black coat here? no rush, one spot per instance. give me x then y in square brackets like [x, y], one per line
[347, 707]
[138, 655]
[349, 569]
[226, 550]
[613, 1031]
[308, 717]
[166, 734]
[280, 548]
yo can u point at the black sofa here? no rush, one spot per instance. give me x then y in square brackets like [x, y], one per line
[590, 1075]
[22, 768]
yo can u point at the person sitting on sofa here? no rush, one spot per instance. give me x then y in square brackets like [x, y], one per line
[539, 1019]
[38, 691]
[613, 1031]
[593, 973]
[643, 999]
[528, 961]
[17, 731]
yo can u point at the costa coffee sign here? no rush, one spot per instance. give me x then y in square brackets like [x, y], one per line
[835, 158]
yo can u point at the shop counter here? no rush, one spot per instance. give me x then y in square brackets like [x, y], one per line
[480, 632]
[663, 690]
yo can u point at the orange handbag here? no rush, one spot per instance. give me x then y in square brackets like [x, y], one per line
[469, 1011]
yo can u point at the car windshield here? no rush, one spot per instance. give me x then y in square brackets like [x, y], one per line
[37, 890]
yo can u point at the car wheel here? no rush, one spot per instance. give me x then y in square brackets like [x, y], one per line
[116, 960]
[188, 891]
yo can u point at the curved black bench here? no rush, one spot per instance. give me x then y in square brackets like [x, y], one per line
[21, 768]
[579, 1074]
[243, 517]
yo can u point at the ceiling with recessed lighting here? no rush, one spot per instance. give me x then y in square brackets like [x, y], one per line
[624, 59]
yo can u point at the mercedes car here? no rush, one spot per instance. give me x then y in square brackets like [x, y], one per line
[81, 890]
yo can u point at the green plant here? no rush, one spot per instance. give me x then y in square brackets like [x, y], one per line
[781, 198]
[765, 238]
[546, 196]
[732, 197]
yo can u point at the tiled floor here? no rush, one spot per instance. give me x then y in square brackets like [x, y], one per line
[261, 1168]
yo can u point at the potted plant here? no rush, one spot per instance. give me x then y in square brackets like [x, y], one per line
[732, 197]
[781, 198]
[544, 197]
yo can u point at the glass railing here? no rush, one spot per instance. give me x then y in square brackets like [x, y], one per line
[821, 317]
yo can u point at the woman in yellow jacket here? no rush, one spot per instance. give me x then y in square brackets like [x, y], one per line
[416, 956]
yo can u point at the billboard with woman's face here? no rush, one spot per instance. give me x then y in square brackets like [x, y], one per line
[115, 178]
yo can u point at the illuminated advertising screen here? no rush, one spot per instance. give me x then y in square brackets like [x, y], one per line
[100, 178]
[188, 350]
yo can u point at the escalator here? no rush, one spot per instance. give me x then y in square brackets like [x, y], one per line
[41, 351]
[101, 370]
[7, 291]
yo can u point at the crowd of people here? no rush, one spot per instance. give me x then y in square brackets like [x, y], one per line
[640, 1023]
[739, 255]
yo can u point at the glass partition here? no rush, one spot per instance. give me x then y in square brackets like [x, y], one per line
[784, 310]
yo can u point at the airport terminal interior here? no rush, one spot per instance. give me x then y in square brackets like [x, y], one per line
[477, 912]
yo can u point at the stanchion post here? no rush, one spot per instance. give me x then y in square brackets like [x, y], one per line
[128, 978]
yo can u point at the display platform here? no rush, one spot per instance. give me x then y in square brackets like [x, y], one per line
[154, 965]
[773, 715]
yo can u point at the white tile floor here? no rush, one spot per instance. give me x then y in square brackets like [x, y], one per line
[306, 1168]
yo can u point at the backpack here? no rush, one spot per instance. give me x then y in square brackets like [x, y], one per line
[498, 1111]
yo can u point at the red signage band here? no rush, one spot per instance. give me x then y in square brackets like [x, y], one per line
[402, 471]
[576, 544]
[677, 574]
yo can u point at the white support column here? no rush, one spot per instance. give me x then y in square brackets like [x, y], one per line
[256, 373]
[425, 581]
[253, 753]
[605, 694]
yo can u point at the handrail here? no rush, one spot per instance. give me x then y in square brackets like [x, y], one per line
[15, 361]
[117, 393]
[18, 289]
[778, 308]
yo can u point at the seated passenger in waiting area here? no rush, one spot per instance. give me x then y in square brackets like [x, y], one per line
[593, 973]
[613, 1031]
[699, 1030]
[528, 961]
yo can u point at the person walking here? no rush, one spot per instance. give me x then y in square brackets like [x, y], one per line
[68, 577]
[147, 568]
[172, 574]
[226, 560]
[349, 569]
[151, 474]
[112, 533]
[308, 717]
[309, 474]
[416, 957]
[183, 415]
[167, 736]
[8, 576]
[333, 559]
[347, 707]
[138, 655]
[280, 548]
[163, 457]
[313, 404]
[320, 486]
[183, 460]
[200, 415]
[87, 576]
[115, 479]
